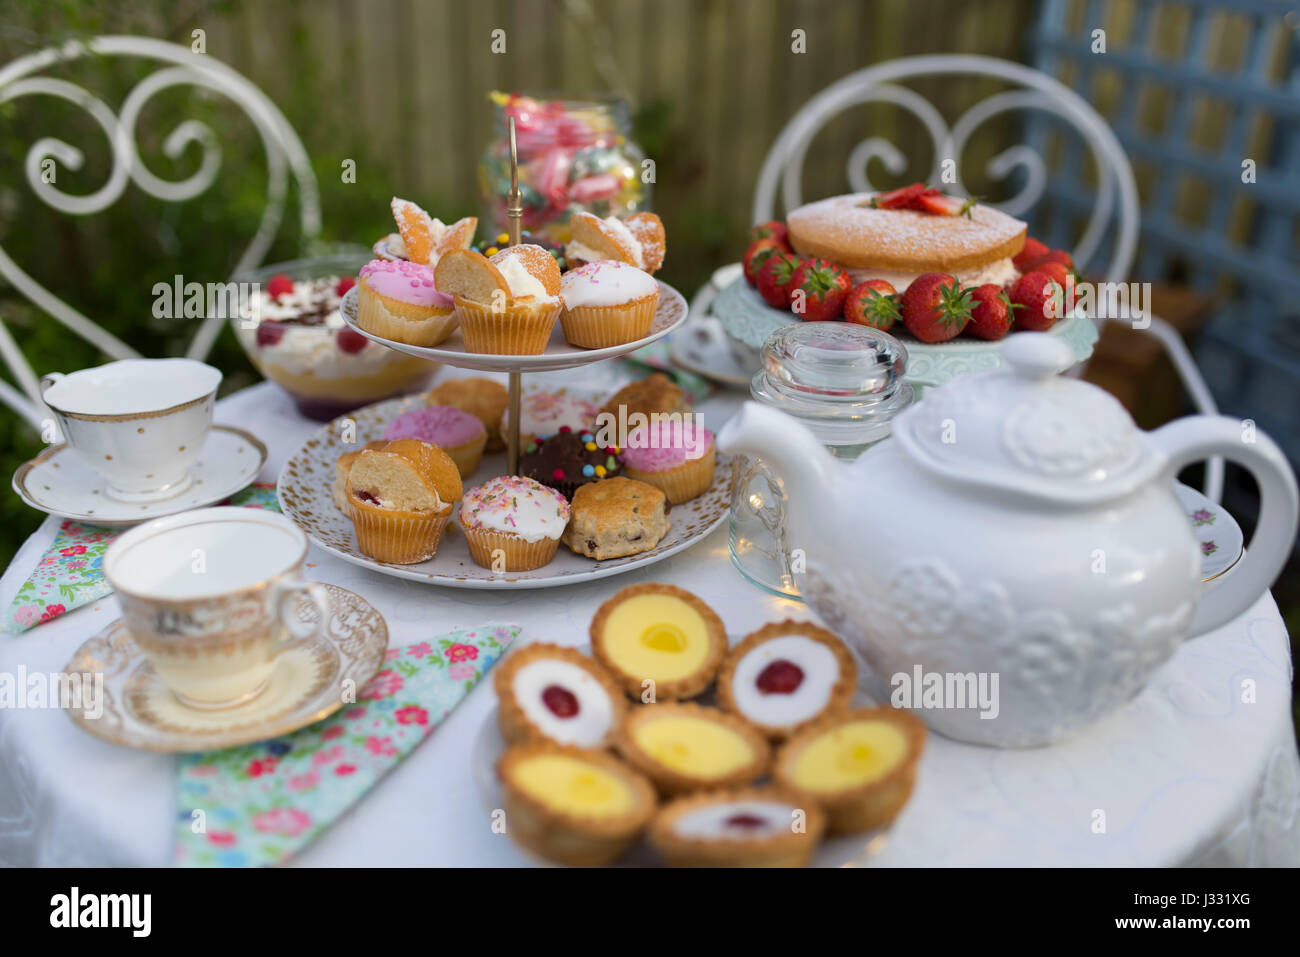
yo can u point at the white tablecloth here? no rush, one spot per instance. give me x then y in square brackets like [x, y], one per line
[1185, 773]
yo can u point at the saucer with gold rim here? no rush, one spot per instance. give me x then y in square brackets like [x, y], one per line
[311, 680]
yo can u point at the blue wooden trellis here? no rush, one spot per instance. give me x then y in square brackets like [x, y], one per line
[1250, 350]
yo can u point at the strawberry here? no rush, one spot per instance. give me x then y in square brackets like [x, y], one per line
[775, 278]
[823, 285]
[772, 229]
[344, 284]
[1041, 300]
[872, 303]
[1058, 256]
[756, 254]
[269, 332]
[1033, 251]
[279, 285]
[1059, 273]
[937, 204]
[350, 341]
[992, 315]
[900, 198]
[935, 307]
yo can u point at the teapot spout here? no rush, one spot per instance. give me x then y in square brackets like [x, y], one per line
[804, 464]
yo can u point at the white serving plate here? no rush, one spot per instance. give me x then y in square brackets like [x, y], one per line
[304, 491]
[670, 314]
[748, 320]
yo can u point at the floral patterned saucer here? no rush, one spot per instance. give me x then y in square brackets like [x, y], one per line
[123, 701]
[1222, 543]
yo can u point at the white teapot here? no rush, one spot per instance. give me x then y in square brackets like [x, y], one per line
[1017, 526]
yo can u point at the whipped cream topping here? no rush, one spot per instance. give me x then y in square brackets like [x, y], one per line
[736, 820]
[820, 672]
[605, 283]
[522, 283]
[309, 320]
[999, 273]
[515, 504]
[588, 726]
[578, 250]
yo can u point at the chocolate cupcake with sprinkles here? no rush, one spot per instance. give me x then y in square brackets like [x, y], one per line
[567, 460]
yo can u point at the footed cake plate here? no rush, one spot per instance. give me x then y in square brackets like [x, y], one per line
[748, 320]
[305, 495]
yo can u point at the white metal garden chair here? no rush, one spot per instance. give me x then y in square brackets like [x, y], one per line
[176, 66]
[1115, 209]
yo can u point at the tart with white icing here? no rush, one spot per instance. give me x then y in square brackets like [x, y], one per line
[785, 676]
[754, 827]
[548, 692]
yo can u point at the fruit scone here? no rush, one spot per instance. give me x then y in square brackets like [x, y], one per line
[507, 305]
[638, 240]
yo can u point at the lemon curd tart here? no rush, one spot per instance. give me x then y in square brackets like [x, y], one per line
[859, 766]
[688, 747]
[752, 827]
[549, 692]
[573, 805]
[659, 641]
[785, 676]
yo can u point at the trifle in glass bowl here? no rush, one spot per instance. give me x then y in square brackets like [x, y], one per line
[294, 334]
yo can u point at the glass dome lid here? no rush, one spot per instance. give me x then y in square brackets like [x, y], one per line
[843, 380]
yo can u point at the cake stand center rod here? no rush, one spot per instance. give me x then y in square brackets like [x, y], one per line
[514, 213]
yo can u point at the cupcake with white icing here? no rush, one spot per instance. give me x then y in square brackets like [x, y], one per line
[607, 303]
[513, 524]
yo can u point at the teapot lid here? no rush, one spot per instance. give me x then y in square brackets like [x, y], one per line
[1024, 429]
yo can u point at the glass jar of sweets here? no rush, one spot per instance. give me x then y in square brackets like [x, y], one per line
[844, 382]
[574, 155]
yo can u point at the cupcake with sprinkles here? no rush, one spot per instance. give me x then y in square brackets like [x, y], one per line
[512, 523]
[675, 455]
[567, 460]
[607, 304]
[398, 300]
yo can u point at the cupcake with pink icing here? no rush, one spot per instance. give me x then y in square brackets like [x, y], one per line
[512, 523]
[675, 454]
[461, 435]
[607, 303]
[398, 300]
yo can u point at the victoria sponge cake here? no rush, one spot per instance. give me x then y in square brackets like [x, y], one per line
[900, 244]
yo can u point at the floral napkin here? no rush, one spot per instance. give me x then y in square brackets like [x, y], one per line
[261, 803]
[70, 576]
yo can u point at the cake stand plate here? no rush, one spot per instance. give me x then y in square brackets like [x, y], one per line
[305, 485]
[748, 320]
[671, 313]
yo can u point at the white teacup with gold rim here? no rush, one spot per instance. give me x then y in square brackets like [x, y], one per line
[209, 595]
[140, 423]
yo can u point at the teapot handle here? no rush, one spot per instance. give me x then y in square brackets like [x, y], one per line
[1195, 438]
